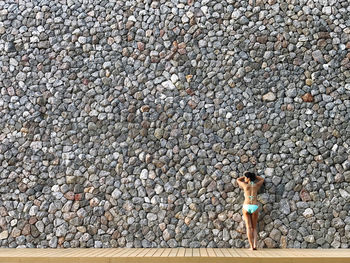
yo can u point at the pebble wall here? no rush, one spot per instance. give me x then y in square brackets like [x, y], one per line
[126, 123]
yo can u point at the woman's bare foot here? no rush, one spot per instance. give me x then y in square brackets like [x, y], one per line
[254, 248]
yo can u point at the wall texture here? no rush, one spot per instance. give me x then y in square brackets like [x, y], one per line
[126, 123]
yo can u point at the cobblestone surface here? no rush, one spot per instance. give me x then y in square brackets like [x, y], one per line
[126, 123]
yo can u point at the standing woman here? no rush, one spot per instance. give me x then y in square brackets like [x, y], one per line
[251, 184]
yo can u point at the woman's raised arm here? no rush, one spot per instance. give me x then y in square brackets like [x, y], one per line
[260, 180]
[241, 182]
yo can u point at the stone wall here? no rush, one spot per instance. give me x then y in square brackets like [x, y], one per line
[126, 123]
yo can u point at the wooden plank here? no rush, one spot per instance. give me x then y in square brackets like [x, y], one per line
[258, 253]
[241, 252]
[19, 252]
[203, 252]
[188, 252]
[181, 252]
[291, 252]
[130, 253]
[211, 252]
[195, 252]
[121, 252]
[254, 254]
[135, 252]
[158, 253]
[72, 252]
[110, 251]
[342, 252]
[143, 252]
[67, 252]
[225, 252]
[39, 252]
[87, 256]
[173, 252]
[274, 253]
[6, 252]
[282, 252]
[218, 252]
[138, 255]
[151, 252]
[88, 253]
[305, 253]
[233, 252]
[166, 252]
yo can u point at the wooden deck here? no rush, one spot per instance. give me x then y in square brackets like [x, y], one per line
[168, 255]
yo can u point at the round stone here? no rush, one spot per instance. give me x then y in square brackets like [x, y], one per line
[270, 96]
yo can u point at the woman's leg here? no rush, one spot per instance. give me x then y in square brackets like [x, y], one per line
[248, 222]
[255, 216]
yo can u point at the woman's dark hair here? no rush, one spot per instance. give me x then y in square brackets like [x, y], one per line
[250, 175]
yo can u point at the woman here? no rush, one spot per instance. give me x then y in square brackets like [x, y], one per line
[251, 184]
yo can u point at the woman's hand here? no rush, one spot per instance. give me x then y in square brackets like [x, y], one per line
[260, 180]
[240, 181]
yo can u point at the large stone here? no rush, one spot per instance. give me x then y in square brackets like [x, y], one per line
[144, 174]
[307, 97]
[270, 243]
[275, 235]
[151, 217]
[34, 231]
[53, 242]
[61, 231]
[270, 96]
[37, 145]
[344, 194]
[284, 207]
[158, 133]
[347, 176]
[70, 179]
[21, 76]
[116, 193]
[308, 213]
[269, 171]
[338, 222]
[168, 85]
[318, 56]
[309, 239]
[168, 234]
[15, 232]
[4, 235]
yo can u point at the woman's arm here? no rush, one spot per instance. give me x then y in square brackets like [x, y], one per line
[241, 182]
[260, 181]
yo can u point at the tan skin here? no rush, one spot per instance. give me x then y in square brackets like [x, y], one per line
[251, 219]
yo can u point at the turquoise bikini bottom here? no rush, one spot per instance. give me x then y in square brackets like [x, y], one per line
[250, 208]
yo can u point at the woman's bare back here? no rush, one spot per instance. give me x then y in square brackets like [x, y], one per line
[250, 193]
[250, 189]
